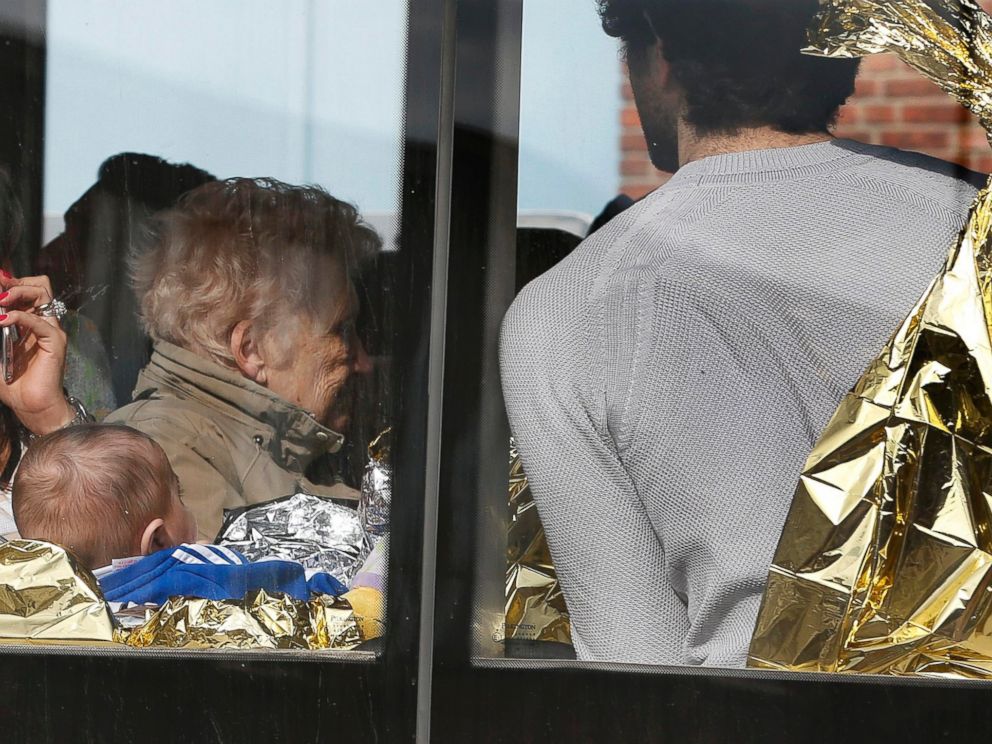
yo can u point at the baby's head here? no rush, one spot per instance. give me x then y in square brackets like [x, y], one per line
[103, 491]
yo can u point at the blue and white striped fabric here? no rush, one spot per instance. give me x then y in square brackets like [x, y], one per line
[210, 572]
[199, 554]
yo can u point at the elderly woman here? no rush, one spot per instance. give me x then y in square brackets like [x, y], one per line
[246, 292]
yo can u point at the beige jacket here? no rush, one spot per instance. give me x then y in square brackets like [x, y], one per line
[231, 441]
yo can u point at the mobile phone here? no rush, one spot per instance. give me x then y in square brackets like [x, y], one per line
[9, 340]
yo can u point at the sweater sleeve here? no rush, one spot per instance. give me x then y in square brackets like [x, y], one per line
[609, 559]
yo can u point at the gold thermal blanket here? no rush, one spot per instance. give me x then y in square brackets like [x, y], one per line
[885, 561]
[535, 606]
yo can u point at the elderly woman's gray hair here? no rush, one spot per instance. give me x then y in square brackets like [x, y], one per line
[246, 249]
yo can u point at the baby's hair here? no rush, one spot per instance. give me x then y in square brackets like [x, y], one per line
[92, 489]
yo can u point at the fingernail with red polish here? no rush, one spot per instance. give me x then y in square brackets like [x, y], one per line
[4, 296]
[3, 318]
[5, 274]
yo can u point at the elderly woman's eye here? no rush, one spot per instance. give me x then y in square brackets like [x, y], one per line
[345, 331]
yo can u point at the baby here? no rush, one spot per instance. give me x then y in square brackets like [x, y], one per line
[103, 491]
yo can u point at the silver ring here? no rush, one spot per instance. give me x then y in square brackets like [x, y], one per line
[54, 309]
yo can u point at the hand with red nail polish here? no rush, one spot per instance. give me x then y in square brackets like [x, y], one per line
[35, 394]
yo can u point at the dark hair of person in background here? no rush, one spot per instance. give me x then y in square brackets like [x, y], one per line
[746, 71]
[11, 231]
[88, 260]
[11, 219]
[616, 206]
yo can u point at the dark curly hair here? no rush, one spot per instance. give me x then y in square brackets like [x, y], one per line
[738, 62]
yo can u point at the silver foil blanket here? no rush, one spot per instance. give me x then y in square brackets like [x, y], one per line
[310, 530]
[377, 488]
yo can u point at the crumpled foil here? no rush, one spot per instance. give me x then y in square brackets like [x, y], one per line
[535, 605]
[47, 595]
[885, 561]
[335, 624]
[310, 530]
[948, 41]
[260, 620]
[377, 487]
[369, 606]
[130, 616]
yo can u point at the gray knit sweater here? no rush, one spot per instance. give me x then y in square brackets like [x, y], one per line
[666, 381]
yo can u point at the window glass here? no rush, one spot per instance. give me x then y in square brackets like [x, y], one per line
[569, 158]
[567, 162]
[219, 233]
[719, 239]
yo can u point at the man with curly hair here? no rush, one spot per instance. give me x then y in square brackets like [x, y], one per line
[666, 381]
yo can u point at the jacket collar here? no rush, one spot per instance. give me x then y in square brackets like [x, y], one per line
[296, 437]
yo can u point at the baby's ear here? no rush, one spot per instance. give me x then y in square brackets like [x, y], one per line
[155, 537]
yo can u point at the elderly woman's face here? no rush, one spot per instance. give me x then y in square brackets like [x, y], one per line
[322, 362]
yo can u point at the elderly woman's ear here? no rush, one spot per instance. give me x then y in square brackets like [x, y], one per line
[247, 352]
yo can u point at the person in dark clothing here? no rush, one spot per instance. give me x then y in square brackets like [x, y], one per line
[88, 260]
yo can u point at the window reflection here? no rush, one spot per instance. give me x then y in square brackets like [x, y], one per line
[226, 318]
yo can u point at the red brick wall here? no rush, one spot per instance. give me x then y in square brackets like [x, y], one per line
[637, 176]
[893, 105]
